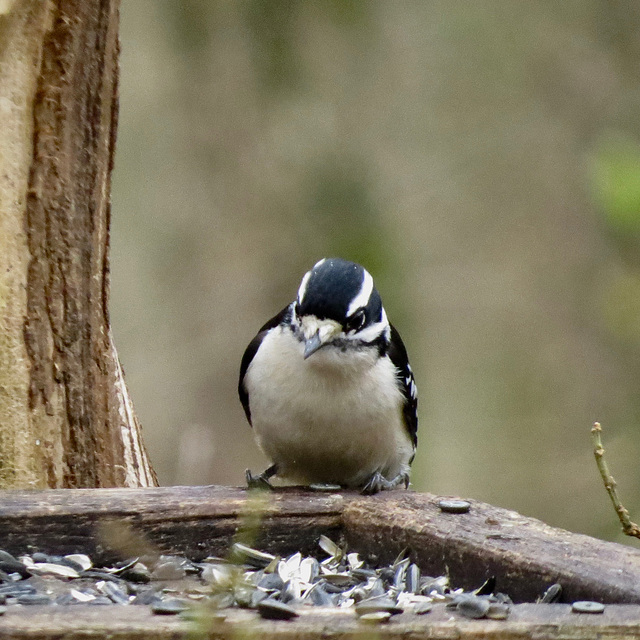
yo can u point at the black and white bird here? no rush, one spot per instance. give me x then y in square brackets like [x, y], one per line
[327, 386]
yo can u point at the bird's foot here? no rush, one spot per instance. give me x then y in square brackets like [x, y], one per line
[261, 481]
[377, 482]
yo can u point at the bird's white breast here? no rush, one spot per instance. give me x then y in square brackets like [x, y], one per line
[334, 417]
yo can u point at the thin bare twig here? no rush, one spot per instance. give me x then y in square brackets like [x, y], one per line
[628, 527]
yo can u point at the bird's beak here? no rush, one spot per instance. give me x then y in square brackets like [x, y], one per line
[312, 344]
[318, 333]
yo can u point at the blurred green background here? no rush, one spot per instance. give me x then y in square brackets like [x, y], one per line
[481, 159]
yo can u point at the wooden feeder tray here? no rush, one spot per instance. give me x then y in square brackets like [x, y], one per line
[524, 554]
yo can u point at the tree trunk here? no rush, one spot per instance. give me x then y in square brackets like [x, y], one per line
[66, 419]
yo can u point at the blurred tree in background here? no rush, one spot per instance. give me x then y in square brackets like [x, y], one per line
[481, 159]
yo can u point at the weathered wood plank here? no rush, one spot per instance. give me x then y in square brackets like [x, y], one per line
[535, 622]
[193, 521]
[524, 554]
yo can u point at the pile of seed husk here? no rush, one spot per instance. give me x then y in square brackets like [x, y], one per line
[276, 587]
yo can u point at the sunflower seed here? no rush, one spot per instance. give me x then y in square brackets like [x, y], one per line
[487, 588]
[169, 607]
[412, 578]
[454, 506]
[221, 575]
[319, 596]
[290, 567]
[587, 606]
[375, 617]
[81, 596]
[552, 594]
[34, 598]
[472, 606]
[48, 568]
[498, 611]
[113, 592]
[138, 573]
[338, 579]
[169, 569]
[291, 592]
[271, 582]
[274, 610]
[399, 574]
[81, 559]
[377, 604]
[253, 597]
[353, 559]
[253, 557]
[329, 547]
[420, 608]
[9, 564]
[309, 570]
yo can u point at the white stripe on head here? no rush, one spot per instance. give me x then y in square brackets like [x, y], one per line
[305, 280]
[373, 331]
[364, 294]
[303, 286]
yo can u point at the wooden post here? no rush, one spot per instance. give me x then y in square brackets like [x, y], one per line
[66, 419]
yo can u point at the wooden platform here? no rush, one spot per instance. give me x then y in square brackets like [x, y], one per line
[524, 554]
[526, 621]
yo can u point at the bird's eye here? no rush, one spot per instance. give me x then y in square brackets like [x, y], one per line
[356, 321]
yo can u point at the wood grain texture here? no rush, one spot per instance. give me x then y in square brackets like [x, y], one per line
[534, 622]
[71, 422]
[524, 554]
[194, 521]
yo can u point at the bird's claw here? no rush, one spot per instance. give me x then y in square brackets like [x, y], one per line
[377, 482]
[260, 481]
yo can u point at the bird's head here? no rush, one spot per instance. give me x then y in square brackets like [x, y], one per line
[338, 305]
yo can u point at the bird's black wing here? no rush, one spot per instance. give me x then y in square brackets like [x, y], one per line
[251, 351]
[398, 355]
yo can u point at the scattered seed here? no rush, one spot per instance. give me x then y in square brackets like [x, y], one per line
[273, 610]
[33, 598]
[587, 606]
[552, 594]
[454, 506]
[113, 592]
[412, 578]
[487, 588]
[81, 596]
[80, 559]
[170, 607]
[420, 608]
[375, 617]
[138, 573]
[471, 606]
[48, 568]
[308, 570]
[329, 547]
[9, 564]
[244, 554]
[3, 610]
[168, 570]
[319, 596]
[338, 579]
[373, 605]
[498, 611]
